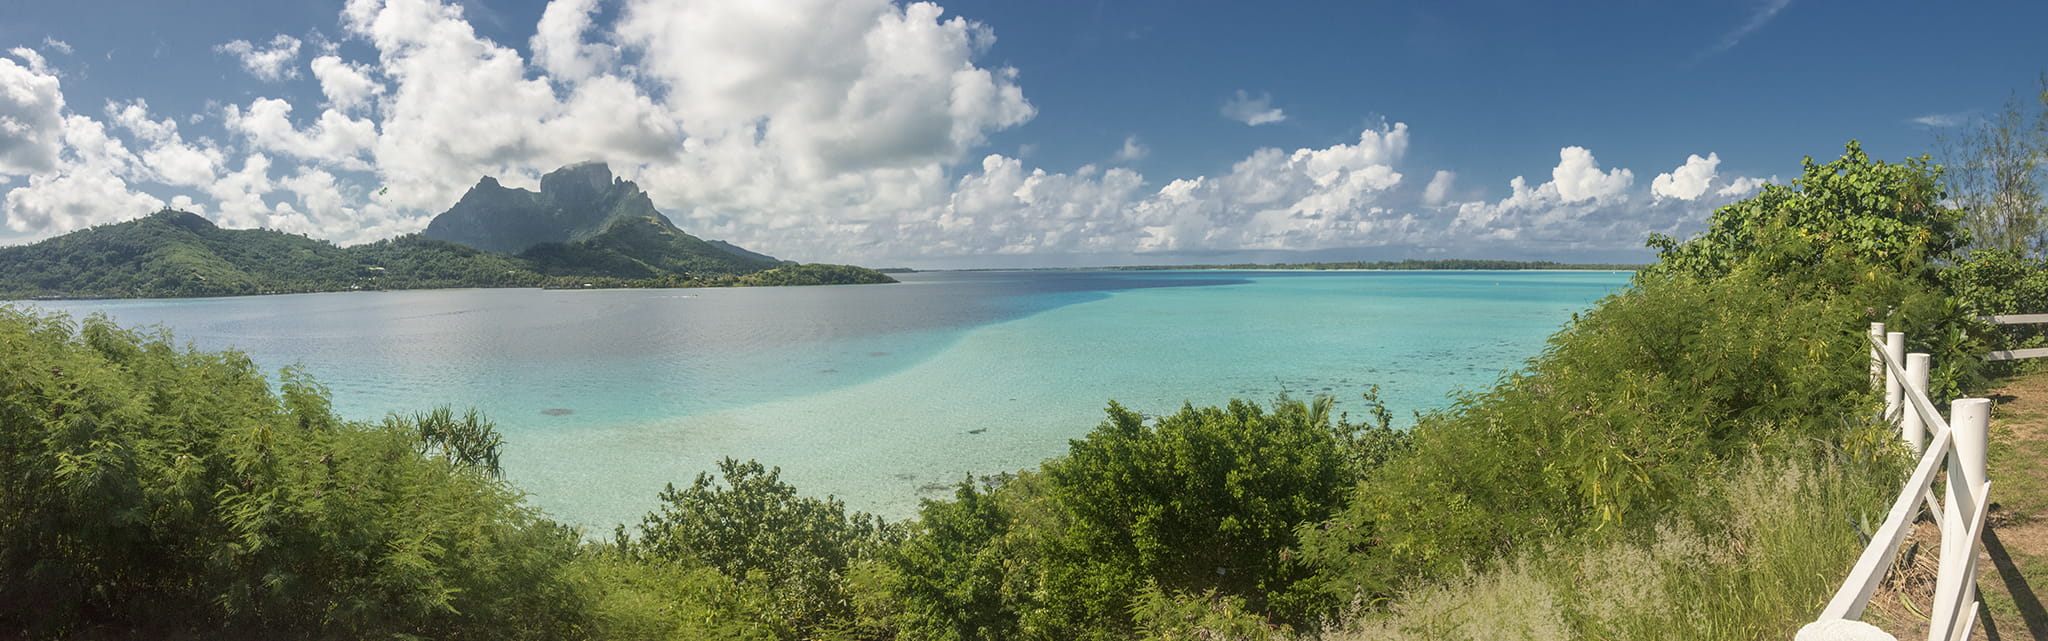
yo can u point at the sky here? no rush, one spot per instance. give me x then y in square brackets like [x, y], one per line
[991, 133]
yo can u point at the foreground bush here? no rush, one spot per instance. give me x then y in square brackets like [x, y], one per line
[1200, 502]
[146, 486]
[1751, 556]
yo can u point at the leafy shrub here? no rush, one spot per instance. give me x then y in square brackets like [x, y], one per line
[757, 532]
[1991, 282]
[142, 484]
[1745, 340]
[1204, 501]
[1751, 555]
[1882, 215]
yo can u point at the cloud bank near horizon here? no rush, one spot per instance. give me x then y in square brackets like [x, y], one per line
[829, 130]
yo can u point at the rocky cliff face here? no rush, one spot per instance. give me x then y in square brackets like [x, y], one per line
[574, 203]
[585, 221]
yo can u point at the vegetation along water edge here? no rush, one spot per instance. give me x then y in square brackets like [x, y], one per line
[1651, 474]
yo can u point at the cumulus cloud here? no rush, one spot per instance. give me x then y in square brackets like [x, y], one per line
[1578, 177]
[1577, 191]
[898, 88]
[1744, 186]
[1132, 150]
[31, 117]
[168, 159]
[347, 86]
[835, 130]
[57, 45]
[1583, 208]
[35, 61]
[272, 63]
[334, 139]
[558, 44]
[88, 187]
[1252, 111]
[1439, 189]
[1689, 180]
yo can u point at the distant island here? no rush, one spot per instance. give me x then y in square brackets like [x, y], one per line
[584, 229]
[1447, 264]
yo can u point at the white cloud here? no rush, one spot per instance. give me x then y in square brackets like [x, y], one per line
[558, 44]
[334, 139]
[832, 130]
[1252, 111]
[1439, 189]
[459, 105]
[1942, 121]
[348, 86]
[36, 64]
[1578, 177]
[240, 195]
[57, 45]
[1132, 150]
[168, 159]
[31, 117]
[1743, 186]
[827, 86]
[1757, 19]
[88, 187]
[271, 64]
[1689, 180]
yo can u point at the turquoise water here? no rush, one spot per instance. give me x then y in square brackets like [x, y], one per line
[880, 395]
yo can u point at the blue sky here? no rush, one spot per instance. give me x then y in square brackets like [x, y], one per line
[987, 132]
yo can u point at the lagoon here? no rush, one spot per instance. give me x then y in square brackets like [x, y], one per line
[878, 394]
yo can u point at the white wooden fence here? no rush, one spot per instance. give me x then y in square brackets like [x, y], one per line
[2016, 319]
[1959, 442]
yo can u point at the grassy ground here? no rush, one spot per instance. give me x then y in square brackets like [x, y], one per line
[1555, 593]
[2015, 558]
[2013, 561]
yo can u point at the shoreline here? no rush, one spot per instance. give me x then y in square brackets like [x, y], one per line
[56, 298]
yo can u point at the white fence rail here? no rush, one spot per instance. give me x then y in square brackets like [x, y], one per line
[2016, 319]
[1959, 442]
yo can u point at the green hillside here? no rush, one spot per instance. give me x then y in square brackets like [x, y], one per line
[641, 247]
[171, 254]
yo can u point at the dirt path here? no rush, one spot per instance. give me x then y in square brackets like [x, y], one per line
[2013, 563]
[2015, 558]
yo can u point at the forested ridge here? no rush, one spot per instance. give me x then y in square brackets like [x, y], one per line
[179, 254]
[1666, 451]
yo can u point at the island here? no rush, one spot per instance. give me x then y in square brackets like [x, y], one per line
[585, 228]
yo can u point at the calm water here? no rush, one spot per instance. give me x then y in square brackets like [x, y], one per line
[879, 394]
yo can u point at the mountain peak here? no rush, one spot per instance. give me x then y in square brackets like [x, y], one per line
[183, 219]
[578, 183]
[596, 217]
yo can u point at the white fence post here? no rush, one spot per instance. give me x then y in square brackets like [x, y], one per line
[1913, 428]
[1955, 581]
[1894, 389]
[1959, 443]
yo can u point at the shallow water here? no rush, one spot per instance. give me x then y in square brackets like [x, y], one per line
[878, 394]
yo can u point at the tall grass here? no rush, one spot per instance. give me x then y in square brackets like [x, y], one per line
[1752, 556]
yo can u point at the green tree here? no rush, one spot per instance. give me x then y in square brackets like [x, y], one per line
[151, 487]
[1996, 173]
[1201, 502]
[757, 531]
[1854, 209]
